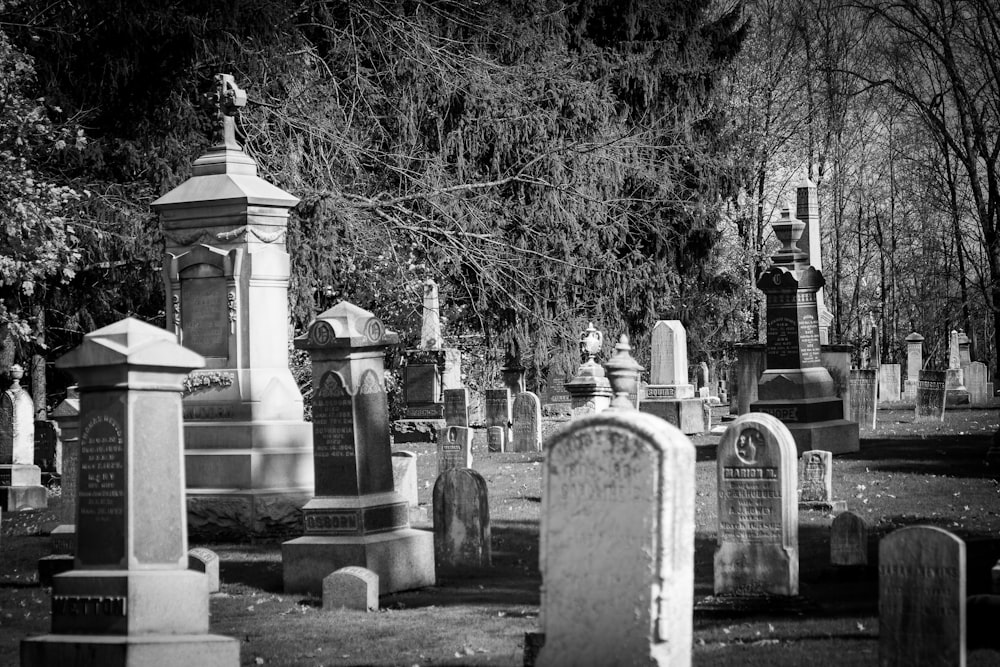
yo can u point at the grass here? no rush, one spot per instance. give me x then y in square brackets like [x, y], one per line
[905, 474]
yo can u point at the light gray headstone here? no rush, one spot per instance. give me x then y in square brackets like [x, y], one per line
[848, 540]
[351, 588]
[527, 429]
[975, 382]
[889, 383]
[864, 397]
[921, 606]
[207, 561]
[454, 448]
[758, 539]
[668, 353]
[622, 484]
[461, 520]
[404, 475]
[816, 476]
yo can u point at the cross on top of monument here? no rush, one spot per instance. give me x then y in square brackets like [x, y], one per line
[226, 100]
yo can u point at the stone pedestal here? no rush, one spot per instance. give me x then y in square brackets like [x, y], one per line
[226, 271]
[796, 388]
[130, 599]
[914, 362]
[589, 390]
[356, 518]
[669, 395]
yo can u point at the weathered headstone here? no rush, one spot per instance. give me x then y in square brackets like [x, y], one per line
[461, 520]
[848, 540]
[930, 398]
[351, 587]
[357, 517]
[964, 350]
[454, 448]
[816, 482]
[751, 362]
[131, 598]
[757, 552]
[456, 407]
[889, 383]
[914, 364]
[20, 479]
[622, 483]
[555, 399]
[526, 432]
[431, 368]
[669, 395]
[796, 387]
[864, 401]
[67, 415]
[955, 390]
[589, 389]
[47, 454]
[404, 475]
[498, 416]
[921, 604]
[206, 561]
[976, 376]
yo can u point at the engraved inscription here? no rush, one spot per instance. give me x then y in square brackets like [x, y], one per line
[205, 316]
[331, 522]
[333, 437]
[71, 605]
[101, 490]
[752, 493]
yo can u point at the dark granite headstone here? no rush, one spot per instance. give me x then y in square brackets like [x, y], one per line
[848, 540]
[456, 407]
[46, 445]
[333, 437]
[205, 314]
[461, 520]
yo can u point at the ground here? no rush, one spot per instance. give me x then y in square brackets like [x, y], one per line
[905, 474]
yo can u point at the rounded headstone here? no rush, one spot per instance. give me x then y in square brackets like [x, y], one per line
[351, 587]
[461, 520]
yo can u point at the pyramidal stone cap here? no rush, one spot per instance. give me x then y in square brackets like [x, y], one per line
[131, 343]
[346, 325]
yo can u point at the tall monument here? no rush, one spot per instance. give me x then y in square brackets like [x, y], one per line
[796, 388]
[807, 210]
[248, 452]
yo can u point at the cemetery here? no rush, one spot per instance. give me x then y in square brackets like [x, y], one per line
[381, 375]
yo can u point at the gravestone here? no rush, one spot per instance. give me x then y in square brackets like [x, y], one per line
[976, 377]
[226, 269]
[964, 351]
[555, 399]
[456, 407]
[47, 449]
[757, 552]
[431, 368]
[351, 587]
[955, 391]
[205, 561]
[864, 397]
[454, 448]
[131, 599]
[807, 210]
[848, 540]
[914, 363]
[67, 415]
[930, 398]
[816, 482]
[498, 416]
[796, 387]
[589, 389]
[889, 383]
[751, 362]
[461, 521]
[921, 603]
[357, 517]
[404, 475]
[669, 395]
[622, 483]
[20, 479]
[526, 432]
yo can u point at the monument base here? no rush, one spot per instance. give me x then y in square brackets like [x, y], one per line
[956, 397]
[403, 559]
[838, 436]
[415, 430]
[130, 651]
[687, 414]
[50, 566]
[424, 411]
[228, 513]
[774, 570]
[63, 539]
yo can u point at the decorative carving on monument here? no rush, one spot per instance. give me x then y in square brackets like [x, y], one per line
[225, 101]
[177, 310]
[188, 238]
[263, 236]
[198, 381]
[231, 303]
[591, 343]
[370, 384]
[321, 333]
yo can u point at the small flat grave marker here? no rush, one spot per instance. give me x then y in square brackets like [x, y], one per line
[207, 561]
[757, 553]
[461, 520]
[352, 587]
[921, 605]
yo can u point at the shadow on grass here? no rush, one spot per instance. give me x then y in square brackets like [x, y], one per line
[953, 456]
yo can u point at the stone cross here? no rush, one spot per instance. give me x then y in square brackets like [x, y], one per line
[227, 99]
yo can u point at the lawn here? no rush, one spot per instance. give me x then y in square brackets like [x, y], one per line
[905, 474]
